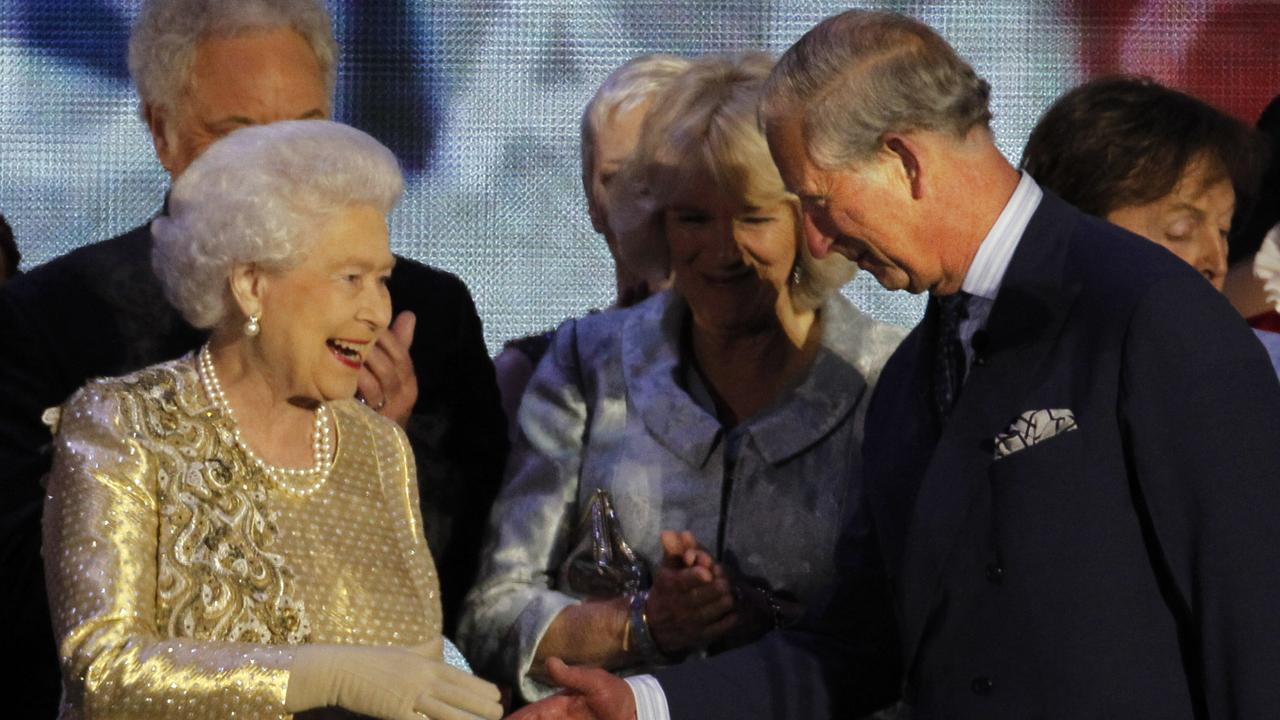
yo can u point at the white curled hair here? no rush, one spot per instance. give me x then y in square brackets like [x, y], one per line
[636, 81]
[260, 195]
[706, 122]
[163, 43]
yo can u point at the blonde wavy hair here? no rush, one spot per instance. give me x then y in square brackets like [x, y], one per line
[706, 124]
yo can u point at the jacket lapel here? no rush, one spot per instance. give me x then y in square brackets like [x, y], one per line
[651, 367]
[1021, 332]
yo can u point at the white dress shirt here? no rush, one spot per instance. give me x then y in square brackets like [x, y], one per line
[986, 273]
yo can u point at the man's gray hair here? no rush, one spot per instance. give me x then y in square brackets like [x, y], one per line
[163, 43]
[861, 74]
[636, 81]
[262, 195]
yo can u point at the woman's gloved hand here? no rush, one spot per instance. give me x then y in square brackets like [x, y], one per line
[392, 683]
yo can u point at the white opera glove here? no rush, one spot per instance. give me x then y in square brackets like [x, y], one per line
[453, 694]
[391, 683]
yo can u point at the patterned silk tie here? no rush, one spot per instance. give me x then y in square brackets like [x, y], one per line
[949, 359]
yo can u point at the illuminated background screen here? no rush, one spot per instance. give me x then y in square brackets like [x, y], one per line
[480, 99]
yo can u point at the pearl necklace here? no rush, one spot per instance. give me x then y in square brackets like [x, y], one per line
[286, 477]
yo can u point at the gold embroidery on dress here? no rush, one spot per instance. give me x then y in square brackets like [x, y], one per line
[217, 576]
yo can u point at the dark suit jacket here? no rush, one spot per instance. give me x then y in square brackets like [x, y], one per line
[99, 311]
[1130, 568]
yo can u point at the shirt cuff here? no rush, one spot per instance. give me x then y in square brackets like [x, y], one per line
[651, 701]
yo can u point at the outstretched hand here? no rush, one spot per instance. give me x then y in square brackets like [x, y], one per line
[387, 382]
[589, 694]
[691, 603]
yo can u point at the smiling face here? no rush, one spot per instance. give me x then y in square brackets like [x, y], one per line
[1192, 222]
[861, 213]
[730, 259]
[321, 318]
[251, 79]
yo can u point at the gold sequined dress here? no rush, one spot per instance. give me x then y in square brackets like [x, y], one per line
[180, 574]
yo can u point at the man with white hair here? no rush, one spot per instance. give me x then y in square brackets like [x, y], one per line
[204, 69]
[610, 130]
[1069, 464]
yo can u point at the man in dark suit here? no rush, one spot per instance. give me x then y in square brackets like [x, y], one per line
[204, 69]
[1071, 502]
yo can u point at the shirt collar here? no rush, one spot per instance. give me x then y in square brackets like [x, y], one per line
[986, 273]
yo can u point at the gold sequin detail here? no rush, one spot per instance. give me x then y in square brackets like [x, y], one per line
[180, 575]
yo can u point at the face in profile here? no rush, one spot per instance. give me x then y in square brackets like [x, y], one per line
[236, 82]
[321, 318]
[615, 142]
[857, 212]
[1192, 221]
[730, 258]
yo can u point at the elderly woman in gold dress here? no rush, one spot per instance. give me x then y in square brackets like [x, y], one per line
[230, 534]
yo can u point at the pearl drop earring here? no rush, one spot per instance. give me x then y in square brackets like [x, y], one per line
[252, 328]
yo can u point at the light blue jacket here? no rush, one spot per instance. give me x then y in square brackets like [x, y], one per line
[606, 409]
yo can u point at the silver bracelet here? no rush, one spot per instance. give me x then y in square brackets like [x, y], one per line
[639, 640]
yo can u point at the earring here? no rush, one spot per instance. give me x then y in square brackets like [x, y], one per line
[795, 275]
[251, 328]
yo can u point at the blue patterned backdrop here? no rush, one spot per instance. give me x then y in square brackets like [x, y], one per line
[480, 99]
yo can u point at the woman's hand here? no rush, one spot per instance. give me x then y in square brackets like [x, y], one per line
[392, 683]
[453, 694]
[691, 602]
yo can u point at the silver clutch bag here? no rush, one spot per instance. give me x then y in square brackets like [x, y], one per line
[601, 563]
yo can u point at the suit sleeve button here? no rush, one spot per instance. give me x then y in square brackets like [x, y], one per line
[995, 573]
[981, 686]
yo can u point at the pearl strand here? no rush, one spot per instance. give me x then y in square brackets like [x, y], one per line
[285, 477]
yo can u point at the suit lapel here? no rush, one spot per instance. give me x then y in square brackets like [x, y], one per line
[1021, 332]
[900, 437]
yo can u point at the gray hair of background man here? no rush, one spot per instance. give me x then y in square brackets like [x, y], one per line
[636, 81]
[162, 46]
[259, 195]
[861, 74]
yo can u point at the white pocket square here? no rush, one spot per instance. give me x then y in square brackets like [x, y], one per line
[1031, 427]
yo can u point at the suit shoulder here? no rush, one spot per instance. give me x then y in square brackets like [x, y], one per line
[1137, 288]
[79, 271]
[595, 337]
[419, 280]
[607, 327]
[1119, 264]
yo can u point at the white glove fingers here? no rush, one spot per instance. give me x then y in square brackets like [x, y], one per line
[477, 701]
[446, 674]
[437, 709]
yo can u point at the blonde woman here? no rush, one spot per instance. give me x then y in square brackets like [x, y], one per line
[711, 414]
